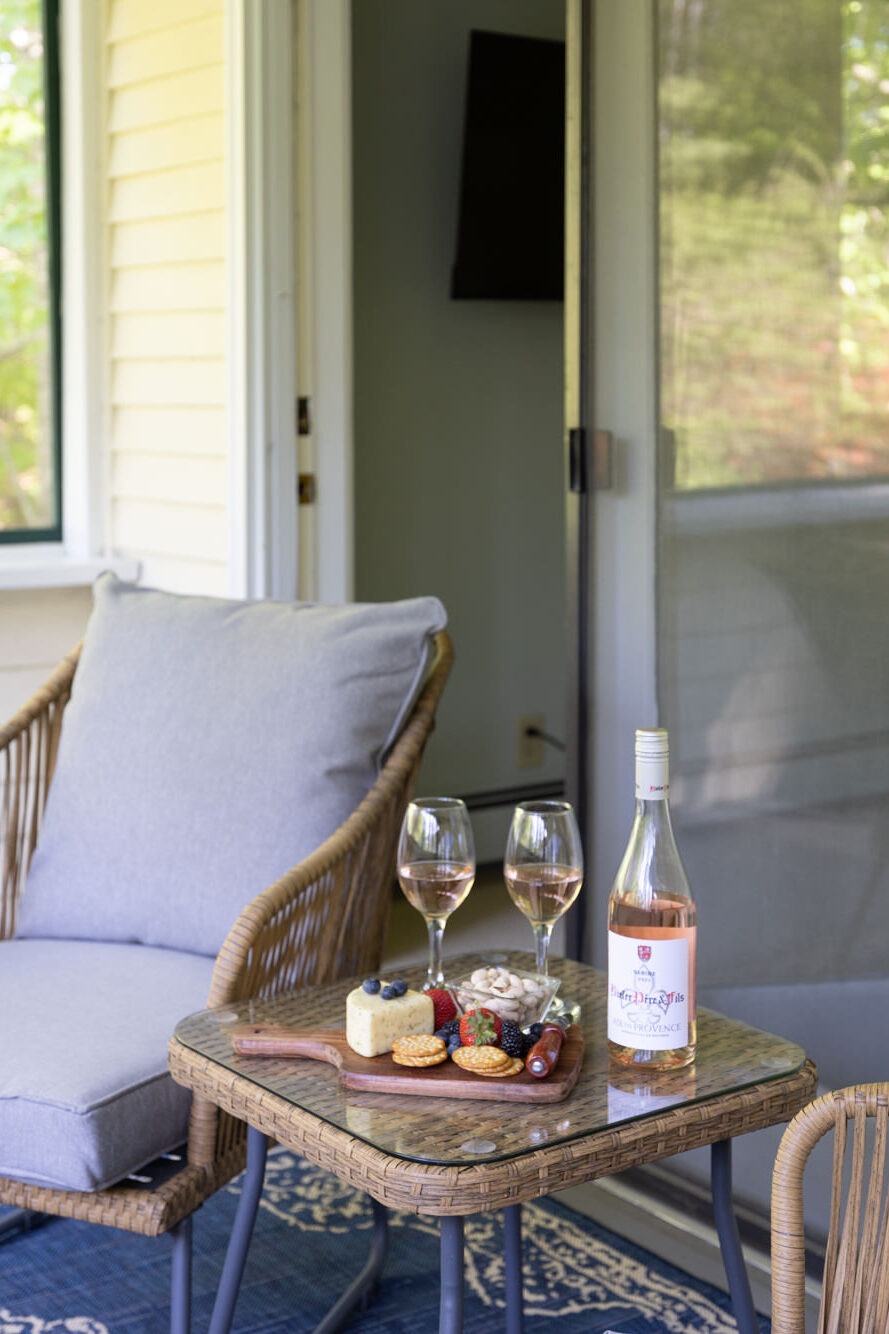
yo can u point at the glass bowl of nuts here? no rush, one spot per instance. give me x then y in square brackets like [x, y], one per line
[511, 993]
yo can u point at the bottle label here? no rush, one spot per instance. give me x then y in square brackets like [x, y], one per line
[647, 992]
[652, 778]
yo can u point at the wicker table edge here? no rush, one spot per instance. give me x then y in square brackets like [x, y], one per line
[492, 1184]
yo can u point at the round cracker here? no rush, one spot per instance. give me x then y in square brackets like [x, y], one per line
[512, 1068]
[403, 1058]
[419, 1044]
[480, 1058]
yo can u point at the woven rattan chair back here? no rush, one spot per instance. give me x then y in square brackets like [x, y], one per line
[325, 919]
[855, 1285]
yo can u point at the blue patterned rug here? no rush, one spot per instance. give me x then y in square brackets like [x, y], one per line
[312, 1232]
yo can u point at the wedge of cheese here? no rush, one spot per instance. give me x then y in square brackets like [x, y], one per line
[373, 1024]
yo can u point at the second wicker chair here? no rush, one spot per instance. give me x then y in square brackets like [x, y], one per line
[855, 1284]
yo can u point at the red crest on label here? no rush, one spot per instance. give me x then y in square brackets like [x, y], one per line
[644, 952]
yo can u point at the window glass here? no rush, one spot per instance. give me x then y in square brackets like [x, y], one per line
[29, 378]
[774, 226]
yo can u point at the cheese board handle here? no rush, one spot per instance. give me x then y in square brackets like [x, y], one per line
[279, 1040]
[541, 1059]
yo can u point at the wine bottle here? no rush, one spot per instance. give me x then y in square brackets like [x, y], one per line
[652, 929]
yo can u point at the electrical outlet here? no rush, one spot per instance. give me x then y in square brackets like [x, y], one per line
[530, 748]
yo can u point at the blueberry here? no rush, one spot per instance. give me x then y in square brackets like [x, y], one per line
[453, 1043]
[371, 985]
[399, 987]
[389, 992]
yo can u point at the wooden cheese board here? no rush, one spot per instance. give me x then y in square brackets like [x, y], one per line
[381, 1074]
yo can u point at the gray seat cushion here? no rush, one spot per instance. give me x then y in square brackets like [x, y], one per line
[208, 747]
[85, 1097]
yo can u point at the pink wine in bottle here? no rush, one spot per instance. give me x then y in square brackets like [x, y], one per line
[652, 929]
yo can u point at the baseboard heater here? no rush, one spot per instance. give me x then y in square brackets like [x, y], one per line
[511, 796]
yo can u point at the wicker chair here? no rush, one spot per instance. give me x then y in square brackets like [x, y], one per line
[323, 920]
[855, 1287]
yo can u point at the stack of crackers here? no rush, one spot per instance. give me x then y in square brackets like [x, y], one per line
[417, 1049]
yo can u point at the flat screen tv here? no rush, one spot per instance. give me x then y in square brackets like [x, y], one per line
[511, 220]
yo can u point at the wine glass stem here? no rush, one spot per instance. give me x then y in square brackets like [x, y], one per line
[542, 933]
[435, 976]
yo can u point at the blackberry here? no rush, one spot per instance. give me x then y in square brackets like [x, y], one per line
[512, 1039]
[535, 1032]
[371, 985]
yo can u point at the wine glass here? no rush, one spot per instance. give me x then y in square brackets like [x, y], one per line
[543, 867]
[436, 867]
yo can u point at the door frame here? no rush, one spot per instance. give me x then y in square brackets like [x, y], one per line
[289, 338]
[619, 368]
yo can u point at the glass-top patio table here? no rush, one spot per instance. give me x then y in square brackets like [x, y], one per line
[449, 1157]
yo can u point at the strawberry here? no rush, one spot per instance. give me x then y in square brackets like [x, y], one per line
[480, 1028]
[445, 1008]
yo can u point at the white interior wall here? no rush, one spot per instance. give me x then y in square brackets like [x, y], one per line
[458, 404]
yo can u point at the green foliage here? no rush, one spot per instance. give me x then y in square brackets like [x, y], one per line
[775, 239]
[25, 444]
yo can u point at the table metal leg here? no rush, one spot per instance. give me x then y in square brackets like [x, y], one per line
[242, 1231]
[339, 1314]
[450, 1315]
[729, 1240]
[512, 1253]
[239, 1244]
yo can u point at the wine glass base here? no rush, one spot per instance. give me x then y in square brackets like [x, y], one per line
[562, 1007]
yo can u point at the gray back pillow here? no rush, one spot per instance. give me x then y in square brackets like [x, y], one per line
[210, 745]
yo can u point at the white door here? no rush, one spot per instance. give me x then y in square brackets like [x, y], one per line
[739, 305]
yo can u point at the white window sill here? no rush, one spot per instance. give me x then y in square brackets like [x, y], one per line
[50, 567]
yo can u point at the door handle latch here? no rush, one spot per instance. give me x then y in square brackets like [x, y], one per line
[590, 464]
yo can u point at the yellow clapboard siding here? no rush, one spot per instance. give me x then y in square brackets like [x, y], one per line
[196, 381]
[169, 287]
[185, 46]
[183, 143]
[166, 149]
[188, 480]
[165, 528]
[181, 334]
[199, 236]
[132, 18]
[162, 430]
[160, 101]
[166, 194]
[184, 576]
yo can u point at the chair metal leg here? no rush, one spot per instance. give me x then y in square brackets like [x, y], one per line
[242, 1231]
[450, 1314]
[512, 1253]
[729, 1240]
[18, 1218]
[180, 1288]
